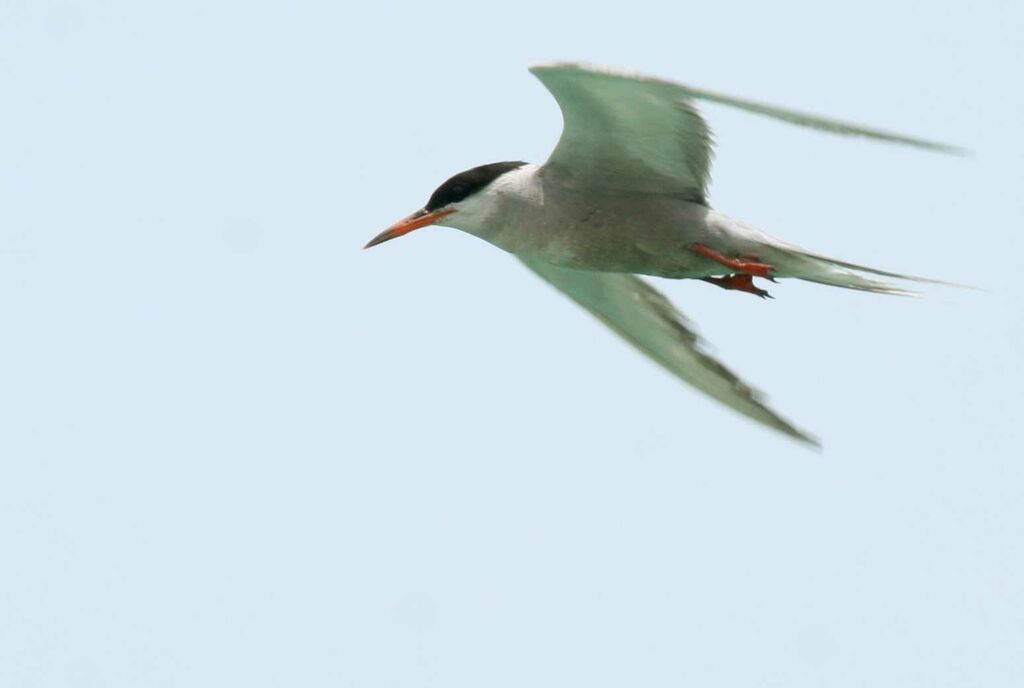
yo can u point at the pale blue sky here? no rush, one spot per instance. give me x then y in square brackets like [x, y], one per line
[235, 449]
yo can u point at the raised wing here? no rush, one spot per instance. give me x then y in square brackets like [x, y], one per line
[630, 133]
[647, 320]
[626, 133]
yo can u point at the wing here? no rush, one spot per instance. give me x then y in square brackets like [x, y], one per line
[647, 320]
[627, 132]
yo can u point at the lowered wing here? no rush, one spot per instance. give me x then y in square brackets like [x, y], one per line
[646, 319]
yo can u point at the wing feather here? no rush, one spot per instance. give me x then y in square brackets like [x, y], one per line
[625, 132]
[646, 319]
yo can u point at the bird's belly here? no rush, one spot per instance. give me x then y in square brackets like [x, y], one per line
[649, 237]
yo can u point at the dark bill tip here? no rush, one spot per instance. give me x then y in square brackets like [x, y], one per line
[421, 218]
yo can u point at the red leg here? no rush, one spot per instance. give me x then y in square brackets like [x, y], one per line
[750, 267]
[739, 283]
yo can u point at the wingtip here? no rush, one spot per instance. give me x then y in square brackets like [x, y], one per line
[805, 438]
[813, 443]
[945, 148]
[959, 152]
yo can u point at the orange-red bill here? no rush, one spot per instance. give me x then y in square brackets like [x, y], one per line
[421, 218]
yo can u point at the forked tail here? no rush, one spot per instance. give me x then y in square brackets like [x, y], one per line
[796, 262]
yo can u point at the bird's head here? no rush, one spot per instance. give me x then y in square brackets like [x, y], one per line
[458, 202]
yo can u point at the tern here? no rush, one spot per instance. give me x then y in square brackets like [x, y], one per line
[623, 194]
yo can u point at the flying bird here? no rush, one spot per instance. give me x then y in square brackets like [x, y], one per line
[623, 194]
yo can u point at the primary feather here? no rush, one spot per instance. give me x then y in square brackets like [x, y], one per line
[646, 319]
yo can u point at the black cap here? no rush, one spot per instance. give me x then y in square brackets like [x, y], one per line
[465, 184]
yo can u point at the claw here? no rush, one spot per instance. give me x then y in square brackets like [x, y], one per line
[739, 283]
[747, 266]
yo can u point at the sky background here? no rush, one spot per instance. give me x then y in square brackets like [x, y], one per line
[235, 449]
